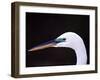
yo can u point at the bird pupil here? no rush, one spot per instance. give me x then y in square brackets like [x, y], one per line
[64, 39]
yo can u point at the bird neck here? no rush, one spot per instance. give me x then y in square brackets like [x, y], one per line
[80, 53]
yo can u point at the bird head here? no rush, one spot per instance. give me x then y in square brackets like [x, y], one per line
[65, 40]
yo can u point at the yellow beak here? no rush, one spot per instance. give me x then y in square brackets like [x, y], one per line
[51, 43]
[42, 46]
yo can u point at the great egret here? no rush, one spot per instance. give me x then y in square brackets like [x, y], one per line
[68, 40]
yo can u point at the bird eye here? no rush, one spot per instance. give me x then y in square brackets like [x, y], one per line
[60, 40]
[64, 38]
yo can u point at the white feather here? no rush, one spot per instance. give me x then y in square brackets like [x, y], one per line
[75, 42]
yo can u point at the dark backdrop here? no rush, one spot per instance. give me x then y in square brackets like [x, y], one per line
[42, 27]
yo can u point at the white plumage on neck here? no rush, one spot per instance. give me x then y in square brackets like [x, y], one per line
[75, 42]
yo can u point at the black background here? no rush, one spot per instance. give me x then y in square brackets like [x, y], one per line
[42, 27]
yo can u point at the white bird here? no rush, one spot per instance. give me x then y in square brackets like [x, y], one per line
[68, 40]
